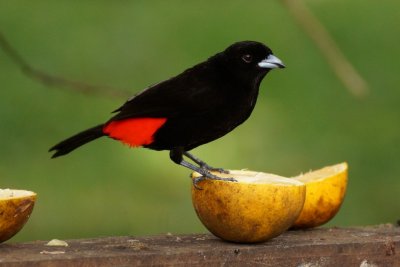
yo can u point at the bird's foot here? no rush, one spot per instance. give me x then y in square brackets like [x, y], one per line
[204, 165]
[210, 176]
[212, 169]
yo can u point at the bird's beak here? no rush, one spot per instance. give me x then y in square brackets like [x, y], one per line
[271, 62]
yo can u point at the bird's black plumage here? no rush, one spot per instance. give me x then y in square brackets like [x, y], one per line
[201, 104]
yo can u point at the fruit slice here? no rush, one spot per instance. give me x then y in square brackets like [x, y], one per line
[258, 207]
[15, 209]
[326, 188]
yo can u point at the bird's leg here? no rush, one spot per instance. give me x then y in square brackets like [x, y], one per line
[202, 164]
[176, 156]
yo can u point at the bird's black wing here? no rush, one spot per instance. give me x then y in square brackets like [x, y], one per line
[192, 92]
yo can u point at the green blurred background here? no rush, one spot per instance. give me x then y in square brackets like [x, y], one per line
[305, 118]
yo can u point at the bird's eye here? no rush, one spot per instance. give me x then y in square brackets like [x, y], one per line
[247, 58]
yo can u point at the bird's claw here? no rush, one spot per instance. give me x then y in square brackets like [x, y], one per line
[212, 169]
[197, 180]
[220, 170]
[210, 177]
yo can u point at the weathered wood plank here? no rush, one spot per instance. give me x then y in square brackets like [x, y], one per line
[364, 246]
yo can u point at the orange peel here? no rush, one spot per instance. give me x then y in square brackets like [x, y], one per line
[326, 189]
[15, 209]
[258, 207]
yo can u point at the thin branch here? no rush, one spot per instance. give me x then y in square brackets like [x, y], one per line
[51, 80]
[342, 67]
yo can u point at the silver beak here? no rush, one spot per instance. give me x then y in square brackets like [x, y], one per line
[271, 62]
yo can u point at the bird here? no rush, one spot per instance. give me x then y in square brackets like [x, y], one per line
[199, 105]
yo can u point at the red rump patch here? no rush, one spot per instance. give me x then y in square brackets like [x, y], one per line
[134, 132]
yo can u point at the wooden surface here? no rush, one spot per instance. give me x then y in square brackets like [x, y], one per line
[364, 247]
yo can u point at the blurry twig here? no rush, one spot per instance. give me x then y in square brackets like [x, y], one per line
[342, 67]
[51, 80]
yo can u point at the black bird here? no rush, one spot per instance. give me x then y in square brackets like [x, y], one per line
[200, 105]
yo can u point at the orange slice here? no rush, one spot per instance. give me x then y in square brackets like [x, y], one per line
[326, 189]
[15, 208]
[258, 207]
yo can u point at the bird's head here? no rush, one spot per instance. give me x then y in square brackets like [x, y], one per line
[250, 59]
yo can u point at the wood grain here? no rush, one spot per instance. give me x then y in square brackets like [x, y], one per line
[361, 246]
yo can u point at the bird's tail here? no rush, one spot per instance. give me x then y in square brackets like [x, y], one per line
[77, 140]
